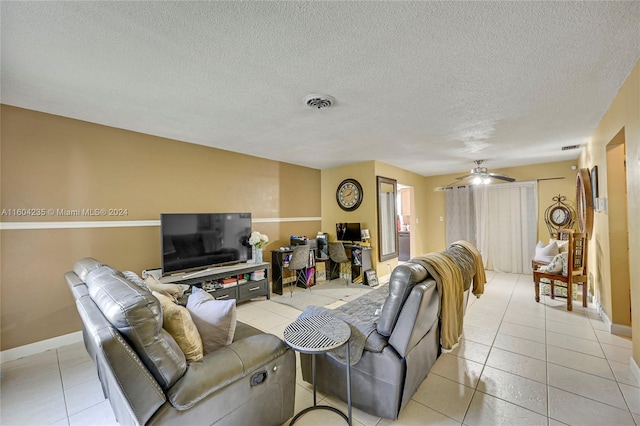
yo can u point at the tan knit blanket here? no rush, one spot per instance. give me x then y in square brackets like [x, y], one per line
[449, 282]
[480, 278]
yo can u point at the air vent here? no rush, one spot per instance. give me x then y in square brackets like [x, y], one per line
[319, 101]
[570, 147]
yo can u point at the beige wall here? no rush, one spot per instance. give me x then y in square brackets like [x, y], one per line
[366, 173]
[54, 162]
[365, 214]
[623, 119]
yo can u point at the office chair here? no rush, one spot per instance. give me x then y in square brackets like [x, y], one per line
[341, 263]
[299, 262]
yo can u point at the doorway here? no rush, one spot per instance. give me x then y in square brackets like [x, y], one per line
[618, 219]
[405, 222]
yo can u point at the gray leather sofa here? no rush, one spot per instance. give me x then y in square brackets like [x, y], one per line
[145, 376]
[402, 342]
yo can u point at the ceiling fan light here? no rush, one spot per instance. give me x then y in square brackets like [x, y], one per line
[486, 181]
[476, 180]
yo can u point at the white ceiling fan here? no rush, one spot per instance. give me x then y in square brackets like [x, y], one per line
[480, 176]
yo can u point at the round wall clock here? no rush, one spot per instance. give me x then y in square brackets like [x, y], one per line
[585, 202]
[349, 194]
[560, 216]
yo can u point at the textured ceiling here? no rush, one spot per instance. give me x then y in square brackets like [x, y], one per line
[425, 86]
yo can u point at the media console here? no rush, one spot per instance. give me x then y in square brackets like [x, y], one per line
[241, 291]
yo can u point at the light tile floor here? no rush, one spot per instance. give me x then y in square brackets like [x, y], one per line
[520, 363]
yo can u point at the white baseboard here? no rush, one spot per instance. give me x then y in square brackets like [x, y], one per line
[620, 330]
[42, 346]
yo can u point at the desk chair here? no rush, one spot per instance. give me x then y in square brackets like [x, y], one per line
[341, 262]
[576, 268]
[298, 263]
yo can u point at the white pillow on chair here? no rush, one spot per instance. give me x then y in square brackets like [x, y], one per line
[545, 253]
[563, 245]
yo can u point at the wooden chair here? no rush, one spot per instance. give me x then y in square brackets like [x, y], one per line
[576, 268]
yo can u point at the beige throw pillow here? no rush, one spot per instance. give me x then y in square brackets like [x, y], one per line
[173, 291]
[178, 323]
[215, 319]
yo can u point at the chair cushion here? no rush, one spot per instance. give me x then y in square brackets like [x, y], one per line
[545, 253]
[137, 315]
[215, 319]
[403, 278]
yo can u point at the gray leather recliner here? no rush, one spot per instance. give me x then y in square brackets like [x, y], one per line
[144, 373]
[387, 375]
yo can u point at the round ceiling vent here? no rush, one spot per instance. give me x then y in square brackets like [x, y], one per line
[319, 101]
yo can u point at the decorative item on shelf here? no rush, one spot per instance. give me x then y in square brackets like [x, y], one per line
[258, 240]
[559, 215]
[366, 236]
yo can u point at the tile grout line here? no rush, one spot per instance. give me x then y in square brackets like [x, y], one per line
[612, 372]
[64, 394]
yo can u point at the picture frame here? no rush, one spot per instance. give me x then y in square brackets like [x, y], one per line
[371, 278]
[594, 184]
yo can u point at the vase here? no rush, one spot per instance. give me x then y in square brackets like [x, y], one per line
[257, 255]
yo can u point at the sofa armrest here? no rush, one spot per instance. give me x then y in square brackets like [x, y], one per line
[224, 366]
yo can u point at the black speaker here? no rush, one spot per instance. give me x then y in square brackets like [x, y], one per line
[323, 245]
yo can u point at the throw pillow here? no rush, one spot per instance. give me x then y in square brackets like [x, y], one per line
[174, 291]
[178, 323]
[545, 253]
[555, 266]
[134, 278]
[215, 319]
[563, 245]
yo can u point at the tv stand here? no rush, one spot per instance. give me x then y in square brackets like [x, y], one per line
[242, 291]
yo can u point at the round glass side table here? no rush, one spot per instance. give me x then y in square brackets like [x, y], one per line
[319, 334]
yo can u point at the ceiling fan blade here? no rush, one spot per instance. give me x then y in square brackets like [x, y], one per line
[464, 177]
[501, 177]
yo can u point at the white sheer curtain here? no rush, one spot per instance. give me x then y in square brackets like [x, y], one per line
[511, 225]
[460, 215]
[505, 218]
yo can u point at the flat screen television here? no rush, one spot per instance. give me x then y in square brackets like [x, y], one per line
[200, 240]
[348, 231]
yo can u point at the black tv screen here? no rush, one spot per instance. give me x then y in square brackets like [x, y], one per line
[348, 231]
[199, 240]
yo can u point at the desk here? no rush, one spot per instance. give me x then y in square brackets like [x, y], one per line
[360, 261]
[280, 263]
[314, 335]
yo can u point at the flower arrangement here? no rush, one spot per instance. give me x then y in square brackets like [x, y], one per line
[258, 240]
